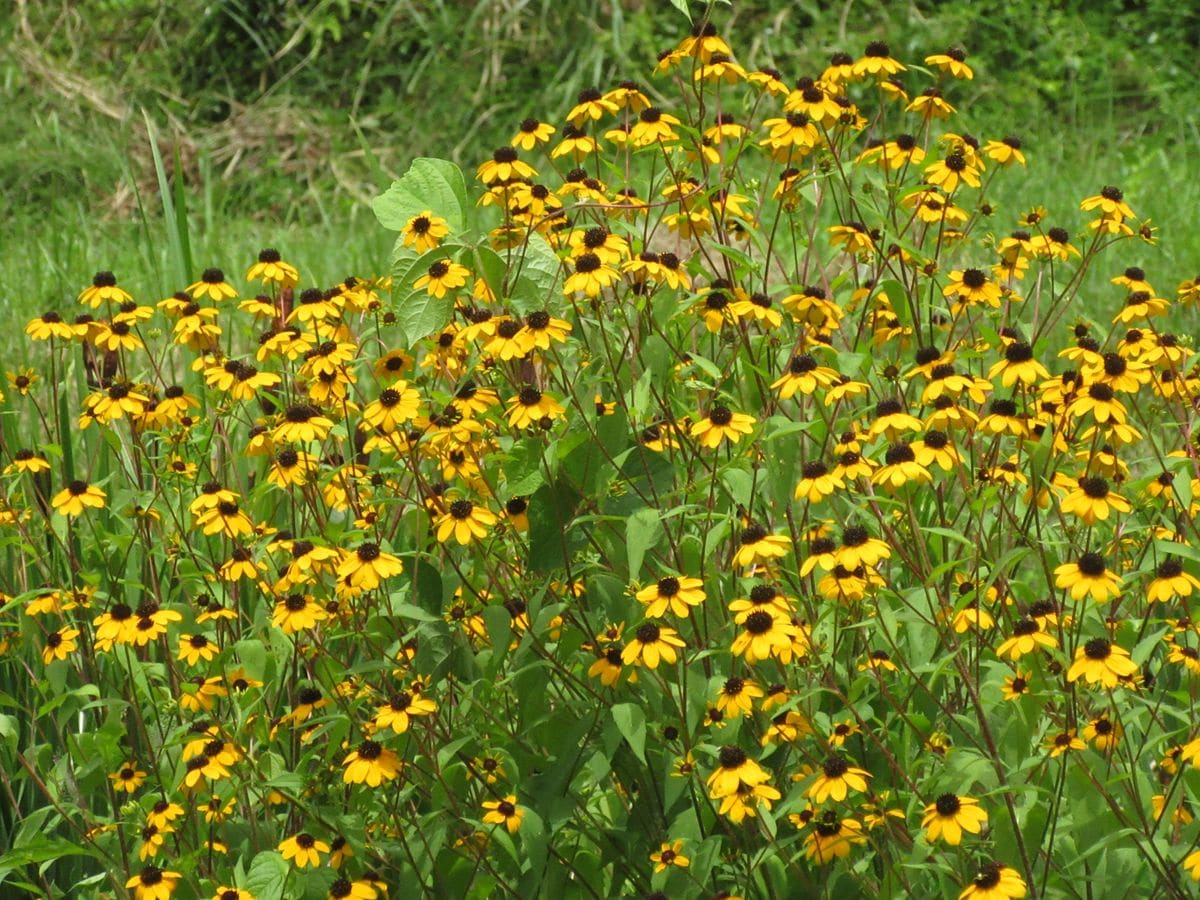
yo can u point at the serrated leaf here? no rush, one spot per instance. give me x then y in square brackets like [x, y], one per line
[267, 876]
[418, 313]
[537, 275]
[631, 722]
[642, 531]
[436, 185]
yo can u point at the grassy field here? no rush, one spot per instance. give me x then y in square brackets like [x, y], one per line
[324, 108]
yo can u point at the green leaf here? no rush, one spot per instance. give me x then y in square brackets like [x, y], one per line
[682, 6]
[8, 731]
[267, 876]
[418, 313]
[631, 722]
[436, 185]
[537, 272]
[642, 531]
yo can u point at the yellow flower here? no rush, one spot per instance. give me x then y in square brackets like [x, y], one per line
[398, 712]
[103, 288]
[832, 838]
[466, 521]
[651, 644]
[677, 594]
[504, 812]
[591, 276]
[297, 612]
[531, 133]
[952, 62]
[303, 850]
[837, 779]
[441, 277]
[212, 285]
[153, 883]
[669, 855]
[196, 647]
[371, 764]
[1088, 577]
[994, 882]
[1100, 660]
[530, 406]
[59, 644]
[950, 816]
[424, 231]
[756, 544]
[1027, 636]
[77, 496]
[1091, 500]
[128, 778]
[366, 567]
[271, 268]
[395, 406]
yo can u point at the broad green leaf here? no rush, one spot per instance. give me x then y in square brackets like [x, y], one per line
[682, 6]
[631, 722]
[434, 185]
[642, 531]
[418, 313]
[267, 876]
[537, 274]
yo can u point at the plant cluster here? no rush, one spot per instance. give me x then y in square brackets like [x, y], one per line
[722, 498]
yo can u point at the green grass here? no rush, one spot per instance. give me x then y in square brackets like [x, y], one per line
[286, 148]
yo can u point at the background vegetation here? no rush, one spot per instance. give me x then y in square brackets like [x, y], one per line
[284, 118]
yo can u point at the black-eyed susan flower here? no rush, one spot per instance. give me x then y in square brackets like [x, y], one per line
[77, 496]
[899, 468]
[530, 406]
[1100, 661]
[1170, 581]
[128, 778]
[676, 593]
[394, 407]
[1018, 365]
[652, 644]
[765, 633]
[26, 460]
[947, 173]
[734, 767]
[994, 881]
[973, 286]
[831, 837]
[371, 764]
[504, 812]
[1092, 501]
[153, 883]
[103, 289]
[737, 696]
[805, 376]
[465, 521]
[504, 166]
[531, 133]
[59, 644]
[817, 482]
[838, 777]
[367, 566]
[1027, 636]
[345, 889]
[591, 276]
[194, 648]
[952, 62]
[271, 268]
[297, 612]
[950, 815]
[1088, 577]
[669, 854]
[303, 850]
[228, 892]
[1103, 733]
[212, 285]
[442, 276]
[400, 709]
[47, 326]
[757, 545]
[424, 231]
